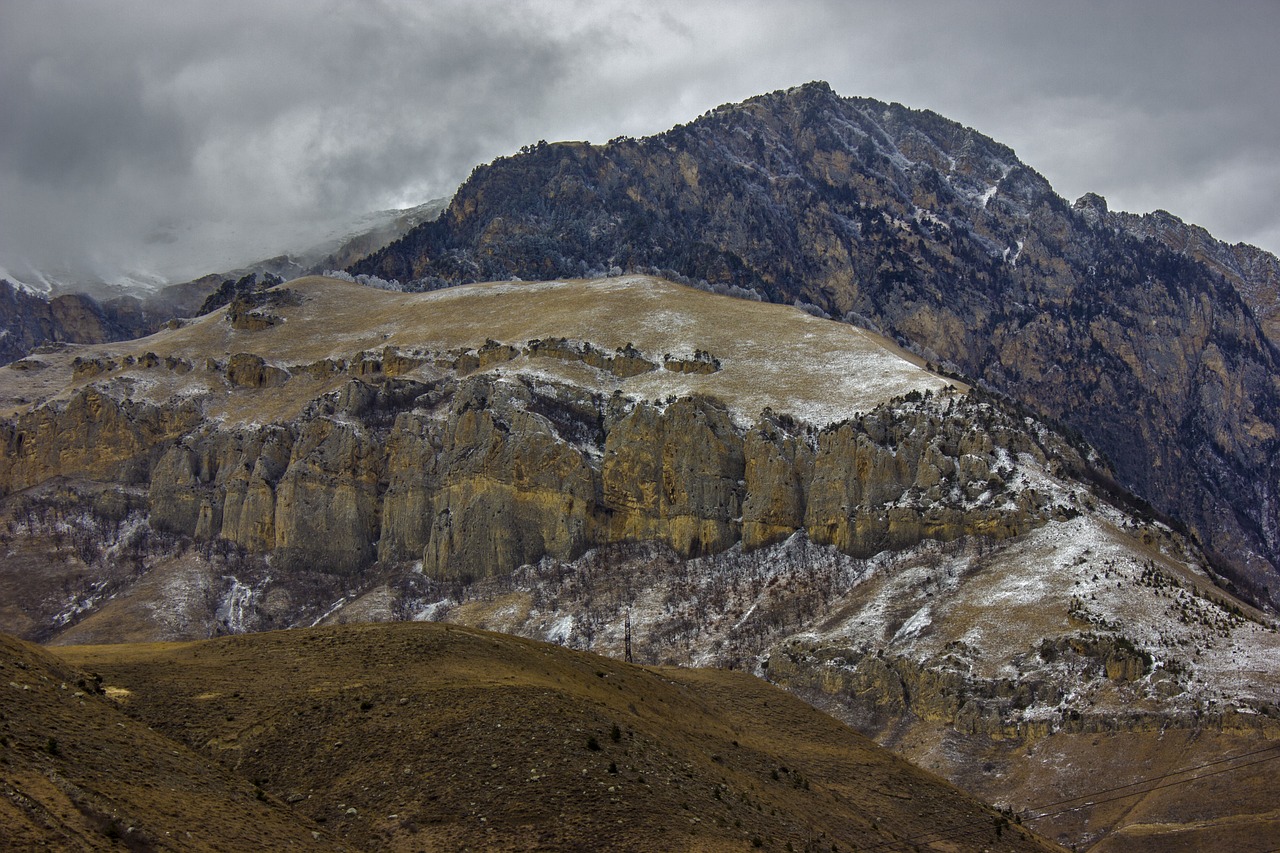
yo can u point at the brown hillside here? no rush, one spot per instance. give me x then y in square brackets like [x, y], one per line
[425, 736]
[76, 774]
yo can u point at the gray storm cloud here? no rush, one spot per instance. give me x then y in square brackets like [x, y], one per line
[172, 139]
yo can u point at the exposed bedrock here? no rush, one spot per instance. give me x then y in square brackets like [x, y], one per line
[475, 477]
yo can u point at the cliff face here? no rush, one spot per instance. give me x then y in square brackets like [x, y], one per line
[939, 236]
[485, 464]
[94, 436]
[476, 461]
[29, 320]
[496, 474]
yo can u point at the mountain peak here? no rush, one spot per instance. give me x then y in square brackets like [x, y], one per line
[912, 223]
[1092, 207]
[812, 89]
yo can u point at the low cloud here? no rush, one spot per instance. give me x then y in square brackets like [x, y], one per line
[176, 139]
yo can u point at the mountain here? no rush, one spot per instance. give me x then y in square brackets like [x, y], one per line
[32, 319]
[625, 464]
[434, 737]
[1253, 272]
[91, 313]
[1141, 337]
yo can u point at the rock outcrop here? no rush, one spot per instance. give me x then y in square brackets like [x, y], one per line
[94, 436]
[479, 475]
[1133, 333]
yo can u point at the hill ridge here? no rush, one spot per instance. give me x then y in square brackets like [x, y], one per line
[509, 744]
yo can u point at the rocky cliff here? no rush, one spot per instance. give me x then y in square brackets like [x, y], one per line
[477, 476]
[912, 224]
[642, 469]
[30, 320]
[473, 460]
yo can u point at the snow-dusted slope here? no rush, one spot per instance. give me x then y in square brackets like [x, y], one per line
[769, 355]
[591, 462]
[1108, 615]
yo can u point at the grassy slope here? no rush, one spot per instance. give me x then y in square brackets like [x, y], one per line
[1235, 809]
[771, 355]
[77, 774]
[418, 735]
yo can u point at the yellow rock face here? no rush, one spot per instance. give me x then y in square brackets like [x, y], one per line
[502, 473]
[476, 459]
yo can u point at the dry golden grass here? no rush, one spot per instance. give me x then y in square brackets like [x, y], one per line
[771, 355]
[77, 774]
[427, 736]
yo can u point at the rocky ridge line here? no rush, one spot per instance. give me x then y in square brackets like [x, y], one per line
[903, 221]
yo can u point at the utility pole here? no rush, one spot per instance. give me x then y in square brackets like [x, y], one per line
[627, 638]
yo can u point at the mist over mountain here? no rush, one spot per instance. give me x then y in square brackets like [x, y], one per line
[89, 311]
[940, 237]
[994, 485]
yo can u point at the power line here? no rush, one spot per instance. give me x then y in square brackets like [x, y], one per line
[967, 829]
[1272, 747]
[1092, 803]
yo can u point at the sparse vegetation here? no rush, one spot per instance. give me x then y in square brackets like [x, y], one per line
[459, 762]
[734, 608]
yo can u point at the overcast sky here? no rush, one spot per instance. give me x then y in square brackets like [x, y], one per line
[178, 138]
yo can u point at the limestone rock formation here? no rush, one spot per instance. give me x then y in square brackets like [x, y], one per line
[1141, 334]
[92, 435]
[475, 460]
[477, 476]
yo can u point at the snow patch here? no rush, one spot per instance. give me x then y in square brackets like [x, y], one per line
[914, 626]
[560, 630]
[236, 609]
[1011, 256]
[332, 609]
